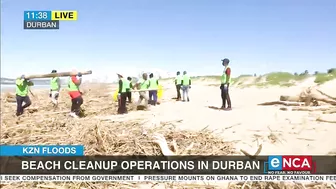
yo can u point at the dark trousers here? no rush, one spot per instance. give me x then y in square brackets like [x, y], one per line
[122, 103]
[178, 90]
[19, 102]
[76, 104]
[153, 97]
[225, 96]
[129, 96]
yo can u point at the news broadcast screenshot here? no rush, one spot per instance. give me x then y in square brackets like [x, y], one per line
[168, 94]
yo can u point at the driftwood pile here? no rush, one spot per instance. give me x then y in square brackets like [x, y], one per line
[310, 99]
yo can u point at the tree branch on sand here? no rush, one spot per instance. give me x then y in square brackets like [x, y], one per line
[310, 99]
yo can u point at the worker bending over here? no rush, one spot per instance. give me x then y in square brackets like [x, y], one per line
[128, 90]
[143, 84]
[122, 94]
[178, 82]
[55, 86]
[225, 83]
[153, 86]
[186, 85]
[22, 89]
[75, 94]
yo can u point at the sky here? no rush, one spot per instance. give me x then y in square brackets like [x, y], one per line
[258, 36]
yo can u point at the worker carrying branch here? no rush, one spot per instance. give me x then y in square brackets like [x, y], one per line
[55, 86]
[225, 84]
[153, 86]
[22, 89]
[75, 81]
[122, 94]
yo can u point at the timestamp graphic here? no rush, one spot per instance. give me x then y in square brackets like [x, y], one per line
[47, 19]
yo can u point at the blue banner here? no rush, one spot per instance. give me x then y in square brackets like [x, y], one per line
[41, 150]
[37, 15]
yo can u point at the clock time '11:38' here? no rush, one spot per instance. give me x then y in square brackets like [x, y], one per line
[37, 15]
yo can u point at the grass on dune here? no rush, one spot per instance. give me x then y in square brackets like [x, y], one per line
[324, 77]
[280, 78]
[284, 79]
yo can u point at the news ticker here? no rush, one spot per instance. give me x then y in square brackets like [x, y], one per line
[166, 178]
[161, 165]
[47, 19]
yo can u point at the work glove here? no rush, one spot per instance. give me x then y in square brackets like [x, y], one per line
[79, 74]
[225, 86]
[119, 96]
[23, 77]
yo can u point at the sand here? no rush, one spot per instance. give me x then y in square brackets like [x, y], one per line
[248, 125]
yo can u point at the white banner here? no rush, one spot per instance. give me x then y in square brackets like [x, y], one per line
[167, 178]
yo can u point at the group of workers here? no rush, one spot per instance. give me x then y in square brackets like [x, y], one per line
[143, 85]
[182, 82]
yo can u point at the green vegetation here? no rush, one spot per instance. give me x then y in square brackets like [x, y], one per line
[324, 77]
[284, 78]
[212, 77]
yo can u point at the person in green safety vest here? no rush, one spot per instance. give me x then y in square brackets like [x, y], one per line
[153, 87]
[122, 94]
[129, 93]
[76, 96]
[178, 82]
[55, 86]
[225, 83]
[22, 89]
[186, 85]
[143, 84]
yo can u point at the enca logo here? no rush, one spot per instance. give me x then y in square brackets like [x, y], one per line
[290, 163]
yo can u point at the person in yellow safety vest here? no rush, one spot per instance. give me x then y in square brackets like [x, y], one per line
[225, 83]
[22, 89]
[55, 86]
[143, 84]
[186, 85]
[153, 86]
[122, 94]
[128, 90]
[75, 94]
[178, 82]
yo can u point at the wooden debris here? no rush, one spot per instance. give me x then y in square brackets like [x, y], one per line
[252, 156]
[330, 111]
[327, 118]
[286, 103]
[60, 74]
[334, 98]
[50, 186]
[290, 98]
[161, 141]
[309, 109]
